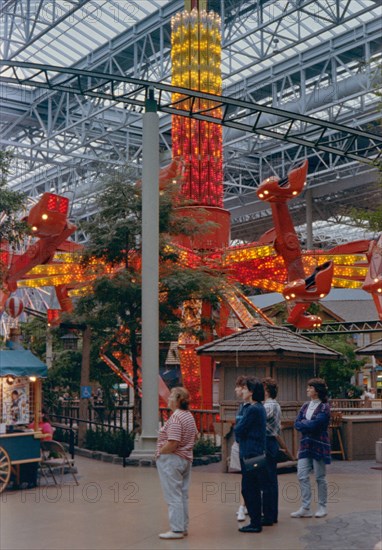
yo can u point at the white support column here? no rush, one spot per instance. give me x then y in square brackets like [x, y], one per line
[145, 446]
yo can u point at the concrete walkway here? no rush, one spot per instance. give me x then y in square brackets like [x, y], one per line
[116, 508]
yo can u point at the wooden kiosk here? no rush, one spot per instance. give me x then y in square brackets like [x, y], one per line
[20, 399]
[265, 350]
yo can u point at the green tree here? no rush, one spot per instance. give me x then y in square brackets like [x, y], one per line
[65, 372]
[337, 372]
[34, 337]
[371, 216]
[114, 308]
[12, 229]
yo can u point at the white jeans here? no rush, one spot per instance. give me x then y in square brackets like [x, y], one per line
[174, 475]
[304, 467]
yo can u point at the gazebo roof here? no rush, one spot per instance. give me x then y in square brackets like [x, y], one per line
[269, 341]
[374, 348]
[21, 363]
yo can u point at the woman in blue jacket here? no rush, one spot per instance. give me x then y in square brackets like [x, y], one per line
[314, 452]
[250, 432]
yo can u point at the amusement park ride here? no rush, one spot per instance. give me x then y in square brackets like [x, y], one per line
[274, 263]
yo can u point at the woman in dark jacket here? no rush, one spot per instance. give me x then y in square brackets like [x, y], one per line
[250, 433]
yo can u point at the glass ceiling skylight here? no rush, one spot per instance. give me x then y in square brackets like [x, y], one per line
[297, 30]
[63, 32]
[330, 231]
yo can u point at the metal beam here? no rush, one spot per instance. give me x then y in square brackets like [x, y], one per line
[247, 117]
[341, 328]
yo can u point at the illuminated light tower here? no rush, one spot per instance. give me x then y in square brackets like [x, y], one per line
[196, 65]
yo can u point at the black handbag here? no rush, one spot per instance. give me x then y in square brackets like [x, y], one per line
[255, 464]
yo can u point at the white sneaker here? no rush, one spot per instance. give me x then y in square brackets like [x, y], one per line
[241, 514]
[302, 513]
[321, 512]
[245, 511]
[171, 535]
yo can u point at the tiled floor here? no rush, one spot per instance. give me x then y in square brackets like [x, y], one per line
[116, 508]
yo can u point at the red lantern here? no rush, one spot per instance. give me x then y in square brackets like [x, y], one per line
[14, 306]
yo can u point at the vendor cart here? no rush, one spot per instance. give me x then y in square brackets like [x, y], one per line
[20, 396]
[17, 449]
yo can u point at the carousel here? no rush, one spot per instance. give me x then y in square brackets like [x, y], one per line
[20, 399]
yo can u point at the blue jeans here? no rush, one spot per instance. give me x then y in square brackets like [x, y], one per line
[304, 467]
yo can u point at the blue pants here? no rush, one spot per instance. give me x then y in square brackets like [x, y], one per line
[270, 485]
[251, 491]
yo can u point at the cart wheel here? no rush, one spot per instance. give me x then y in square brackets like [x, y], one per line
[5, 469]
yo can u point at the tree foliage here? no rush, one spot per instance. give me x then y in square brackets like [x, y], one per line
[373, 217]
[114, 308]
[34, 337]
[66, 368]
[12, 228]
[338, 372]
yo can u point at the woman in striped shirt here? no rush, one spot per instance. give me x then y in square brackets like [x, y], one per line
[174, 460]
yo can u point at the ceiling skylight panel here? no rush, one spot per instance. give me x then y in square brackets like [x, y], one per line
[236, 63]
[65, 48]
[243, 56]
[129, 13]
[53, 33]
[54, 45]
[367, 16]
[290, 33]
[46, 56]
[230, 80]
[93, 29]
[110, 23]
[58, 44]
[87, 42]
[39, 27]
[248, 43]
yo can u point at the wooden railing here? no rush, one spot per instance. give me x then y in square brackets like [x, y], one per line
[348, 403]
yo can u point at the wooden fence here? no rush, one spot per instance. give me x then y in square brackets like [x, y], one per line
[213, 423]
